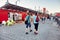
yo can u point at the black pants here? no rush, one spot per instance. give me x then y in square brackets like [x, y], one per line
[36, 26]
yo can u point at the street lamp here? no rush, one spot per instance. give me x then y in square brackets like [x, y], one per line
[7, 2]
[17, 1]
[35, 8]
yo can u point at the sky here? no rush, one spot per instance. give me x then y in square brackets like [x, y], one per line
[51, 5]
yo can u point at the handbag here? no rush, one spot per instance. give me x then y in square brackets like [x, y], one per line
[26, 22]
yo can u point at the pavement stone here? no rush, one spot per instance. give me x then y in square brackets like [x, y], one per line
[17, 32]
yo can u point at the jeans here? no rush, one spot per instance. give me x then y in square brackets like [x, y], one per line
[28, 25]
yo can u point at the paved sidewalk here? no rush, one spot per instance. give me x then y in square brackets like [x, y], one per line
[17, 32]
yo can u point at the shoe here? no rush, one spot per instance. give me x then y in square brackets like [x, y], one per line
[30, 30]
[35, 33]
[26, 32]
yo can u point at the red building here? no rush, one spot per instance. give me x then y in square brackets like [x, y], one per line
[3, 15]
[57, 14]
[10, 8]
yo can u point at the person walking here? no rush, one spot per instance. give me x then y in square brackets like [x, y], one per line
[36, 23]
[43, 18]
[28, 22]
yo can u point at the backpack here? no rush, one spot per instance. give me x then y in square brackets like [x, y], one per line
[37, 19]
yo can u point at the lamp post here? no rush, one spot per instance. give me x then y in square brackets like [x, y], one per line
[7, 2]
[35, 8]
[17, 1]
[39, 9]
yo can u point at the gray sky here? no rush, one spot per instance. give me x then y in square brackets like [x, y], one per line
[51, 5]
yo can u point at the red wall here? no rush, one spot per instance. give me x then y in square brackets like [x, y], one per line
[3, 15]
[58, 14]
[23, 15]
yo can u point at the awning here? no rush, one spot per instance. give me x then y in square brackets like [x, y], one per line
[15, 7]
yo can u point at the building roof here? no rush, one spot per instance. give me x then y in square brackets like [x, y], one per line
[15, 7]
